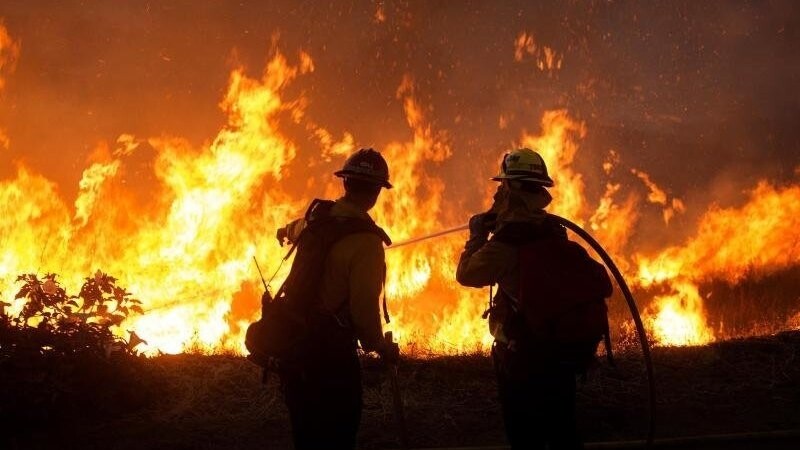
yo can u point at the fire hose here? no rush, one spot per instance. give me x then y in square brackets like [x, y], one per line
[626, 292]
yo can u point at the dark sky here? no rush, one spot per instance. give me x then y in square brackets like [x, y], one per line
[702, 95]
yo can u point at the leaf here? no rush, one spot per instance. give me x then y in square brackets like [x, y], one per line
[117, 319]
[88, 302]
[23, 292]
[135, 340]
[49, 286]
[137, 309]
[81, 316]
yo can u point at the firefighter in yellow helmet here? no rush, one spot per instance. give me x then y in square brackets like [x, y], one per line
[537, 394]
[323, 389]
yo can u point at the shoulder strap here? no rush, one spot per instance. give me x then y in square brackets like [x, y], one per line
[323, 230]
[518, 234]
[319, 212]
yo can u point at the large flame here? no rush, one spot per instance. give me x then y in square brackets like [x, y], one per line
[182, 233]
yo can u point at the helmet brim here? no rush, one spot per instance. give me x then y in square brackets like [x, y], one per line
[358, 176]
[546, 182]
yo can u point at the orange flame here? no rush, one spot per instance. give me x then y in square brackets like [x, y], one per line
[730, 244]
[9, 52]
[547, 59]
[185, 248]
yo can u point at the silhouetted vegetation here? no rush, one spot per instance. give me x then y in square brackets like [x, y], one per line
[59, 360]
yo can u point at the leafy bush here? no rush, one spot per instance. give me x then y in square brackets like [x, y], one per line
[58, 355]
[53, 323]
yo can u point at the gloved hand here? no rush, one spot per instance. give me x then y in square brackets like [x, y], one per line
[282, 235]
[480, 225]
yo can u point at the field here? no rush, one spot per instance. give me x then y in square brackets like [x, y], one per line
[208, 402]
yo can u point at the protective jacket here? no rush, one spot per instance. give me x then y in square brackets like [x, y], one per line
[487, 262]
[353, 276]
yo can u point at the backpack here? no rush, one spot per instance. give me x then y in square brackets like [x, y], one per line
[282, 334]
[560, 306]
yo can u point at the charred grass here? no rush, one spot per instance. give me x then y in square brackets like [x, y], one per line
[204, 402]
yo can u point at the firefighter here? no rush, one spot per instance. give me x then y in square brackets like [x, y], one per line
[536, 390]
[323, 392]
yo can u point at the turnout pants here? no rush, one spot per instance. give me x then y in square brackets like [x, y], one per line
[324, 396]
[537, 401]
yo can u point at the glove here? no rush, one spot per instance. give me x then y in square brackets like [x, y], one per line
[480, 225]
[282, 235]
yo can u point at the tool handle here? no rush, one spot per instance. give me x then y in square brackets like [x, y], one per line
[397, 400]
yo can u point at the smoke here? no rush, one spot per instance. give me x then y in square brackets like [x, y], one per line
[702, 96]
[9, 52]
[186, 130]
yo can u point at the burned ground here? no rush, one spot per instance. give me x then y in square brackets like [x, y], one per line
[218, 401]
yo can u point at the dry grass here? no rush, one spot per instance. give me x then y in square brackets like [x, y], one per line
[198, 401]
[207, 402]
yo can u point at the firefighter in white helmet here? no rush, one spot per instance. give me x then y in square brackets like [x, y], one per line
[537, 393]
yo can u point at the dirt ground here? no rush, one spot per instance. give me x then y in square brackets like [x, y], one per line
[216, 402]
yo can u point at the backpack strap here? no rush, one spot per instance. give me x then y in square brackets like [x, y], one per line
[319, 220]
[546, 233]
[518, 234]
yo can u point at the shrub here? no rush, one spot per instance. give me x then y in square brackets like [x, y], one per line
[59, 357]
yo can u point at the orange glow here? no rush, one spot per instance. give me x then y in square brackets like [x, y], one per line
[547, 60]
[679, 319]
[186, 247]
[658, 196]
[9, 52]
[730, 244]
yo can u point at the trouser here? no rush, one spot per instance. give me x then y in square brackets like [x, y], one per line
[537, 401]
[323, 395]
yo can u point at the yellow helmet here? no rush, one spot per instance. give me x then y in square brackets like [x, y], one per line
[524, 164]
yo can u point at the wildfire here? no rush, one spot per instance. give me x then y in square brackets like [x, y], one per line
[9, 52]
[547, 59]
[679, 319]
[186, 248]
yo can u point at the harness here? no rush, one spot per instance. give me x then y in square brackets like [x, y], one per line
[294, 323]
[322, 231]
[558, 309]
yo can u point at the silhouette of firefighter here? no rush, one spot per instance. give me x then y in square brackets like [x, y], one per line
[549, 313]
[329, 302]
